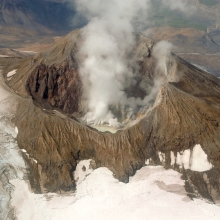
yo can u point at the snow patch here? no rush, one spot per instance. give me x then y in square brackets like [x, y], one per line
[195, 160]
[34, 160]
[16, 130]
[11, 73]
[161, 156]
[183, 159]
[25, 152]
[83, 169]
[173, 159]
[153, 193]
[147, 162]
[199, 160]
[28, 156]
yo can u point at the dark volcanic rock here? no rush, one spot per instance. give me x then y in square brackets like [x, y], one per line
[59, 86]
[204, 184]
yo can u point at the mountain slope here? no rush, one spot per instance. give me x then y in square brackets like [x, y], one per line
[35, 15]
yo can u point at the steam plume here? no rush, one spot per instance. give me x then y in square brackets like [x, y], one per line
[108, 39]
[162, 52]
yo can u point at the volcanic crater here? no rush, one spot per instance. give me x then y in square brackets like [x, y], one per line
[180, 113]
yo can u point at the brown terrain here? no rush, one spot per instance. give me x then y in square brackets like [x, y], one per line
[184, 113]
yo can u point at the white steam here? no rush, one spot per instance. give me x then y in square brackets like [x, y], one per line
[105, 64]
[162, 52]
[108, 40]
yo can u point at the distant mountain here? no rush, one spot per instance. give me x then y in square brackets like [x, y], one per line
[38, 16]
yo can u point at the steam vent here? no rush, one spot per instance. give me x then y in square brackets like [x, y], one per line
[168, 114]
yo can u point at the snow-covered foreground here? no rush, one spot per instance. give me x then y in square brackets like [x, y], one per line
[153, 193]
[11, 161]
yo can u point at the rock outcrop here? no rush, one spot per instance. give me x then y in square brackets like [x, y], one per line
[59, 86]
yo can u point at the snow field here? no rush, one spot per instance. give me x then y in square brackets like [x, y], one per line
[153, 193]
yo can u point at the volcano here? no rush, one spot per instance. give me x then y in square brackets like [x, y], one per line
[178, 127]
